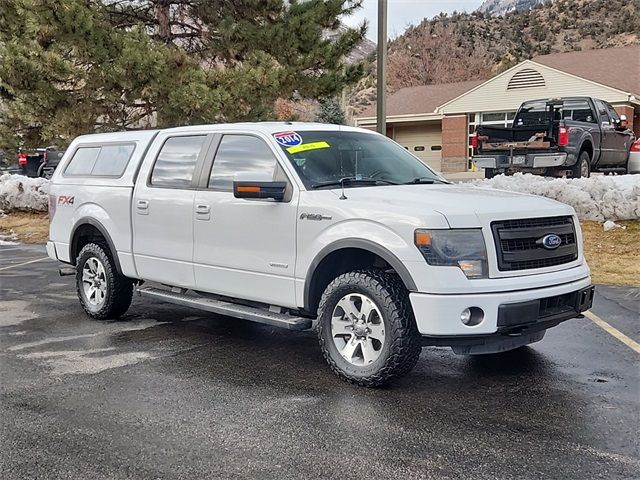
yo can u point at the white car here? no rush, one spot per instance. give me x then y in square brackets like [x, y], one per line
[290, 223]
[633, 165]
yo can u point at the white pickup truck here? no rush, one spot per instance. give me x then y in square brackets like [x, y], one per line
[293, 223]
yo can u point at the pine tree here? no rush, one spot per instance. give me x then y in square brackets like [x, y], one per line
[331, 112]
[76, 66]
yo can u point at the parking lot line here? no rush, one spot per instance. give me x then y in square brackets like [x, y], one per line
[613, 331]
[24, 263]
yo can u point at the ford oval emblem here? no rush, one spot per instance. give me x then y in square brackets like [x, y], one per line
[551, 241]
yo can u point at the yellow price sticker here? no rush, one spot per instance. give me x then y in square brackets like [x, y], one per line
[308, 146]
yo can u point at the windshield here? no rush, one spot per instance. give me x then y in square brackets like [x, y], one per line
[324, 158]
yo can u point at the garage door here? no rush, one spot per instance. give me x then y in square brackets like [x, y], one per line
[424, 141]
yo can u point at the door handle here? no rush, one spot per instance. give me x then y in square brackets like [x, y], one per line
[203, 208]
[142, 204]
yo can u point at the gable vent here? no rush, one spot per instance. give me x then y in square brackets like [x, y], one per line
[527, 78]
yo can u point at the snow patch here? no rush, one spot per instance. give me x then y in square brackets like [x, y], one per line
[18, 192]
[609, 225]
[8, 239]
[598, 198]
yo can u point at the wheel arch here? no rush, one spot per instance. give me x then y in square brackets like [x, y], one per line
[586, 146]
[348, 254]
[87, 227]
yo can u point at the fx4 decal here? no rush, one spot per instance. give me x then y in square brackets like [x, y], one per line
[65, 200]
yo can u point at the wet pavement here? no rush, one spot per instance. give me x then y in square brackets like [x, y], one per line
[169, 392]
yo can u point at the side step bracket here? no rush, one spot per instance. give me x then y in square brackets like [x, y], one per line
[227, 308]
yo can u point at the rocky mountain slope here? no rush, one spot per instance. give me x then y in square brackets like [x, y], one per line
[465, 46]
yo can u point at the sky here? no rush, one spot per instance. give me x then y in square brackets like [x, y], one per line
[403, 13]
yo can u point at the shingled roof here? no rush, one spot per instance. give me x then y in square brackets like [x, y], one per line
[423, 99]
[615, 67]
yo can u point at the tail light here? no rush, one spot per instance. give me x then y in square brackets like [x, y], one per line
[635, 146]
[22, 159]
[474, 140]
[563, 137]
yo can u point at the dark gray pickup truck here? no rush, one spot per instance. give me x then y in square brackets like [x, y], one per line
[570, 136]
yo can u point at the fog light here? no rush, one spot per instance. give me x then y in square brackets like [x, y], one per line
[472, 316]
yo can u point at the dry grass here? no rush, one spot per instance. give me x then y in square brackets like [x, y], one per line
[28, 227]
[614, 256]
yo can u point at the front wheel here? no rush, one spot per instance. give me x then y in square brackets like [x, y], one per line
[366, 328]
[103, 292]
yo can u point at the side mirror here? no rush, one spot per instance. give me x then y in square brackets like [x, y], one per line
[259, 189]
[622, 123]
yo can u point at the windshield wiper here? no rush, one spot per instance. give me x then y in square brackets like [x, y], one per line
[346, 180]
[425, 181]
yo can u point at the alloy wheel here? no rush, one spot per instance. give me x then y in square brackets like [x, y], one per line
[94, 281]
[357, 329]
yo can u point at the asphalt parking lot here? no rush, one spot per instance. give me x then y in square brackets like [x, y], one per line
[169, 392]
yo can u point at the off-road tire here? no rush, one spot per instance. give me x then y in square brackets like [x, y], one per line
[489, 172]
[402, 344]
[119, 288]
[577, 169]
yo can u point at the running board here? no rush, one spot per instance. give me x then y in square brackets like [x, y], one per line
[227, 308]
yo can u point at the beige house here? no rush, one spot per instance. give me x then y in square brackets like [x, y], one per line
[435, 122]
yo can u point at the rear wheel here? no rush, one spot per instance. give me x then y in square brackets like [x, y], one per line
[582, 168]
[366, 328]
[489, 173]
[103, 292]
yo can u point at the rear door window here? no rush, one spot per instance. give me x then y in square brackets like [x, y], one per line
[176, 162]
[237, 154]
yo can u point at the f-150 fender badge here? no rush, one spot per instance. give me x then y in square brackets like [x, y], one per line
[314, 216]
[65, 200]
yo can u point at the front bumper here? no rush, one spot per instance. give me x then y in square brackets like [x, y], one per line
[529, 160]
[438, 316]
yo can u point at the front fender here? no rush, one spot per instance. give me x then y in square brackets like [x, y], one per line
[362, 234]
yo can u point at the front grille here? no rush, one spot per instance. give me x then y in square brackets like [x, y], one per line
[519, 242]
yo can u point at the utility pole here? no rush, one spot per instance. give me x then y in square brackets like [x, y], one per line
[381, 102]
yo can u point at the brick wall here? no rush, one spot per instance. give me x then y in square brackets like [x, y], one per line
[455, 139]
[634, 122]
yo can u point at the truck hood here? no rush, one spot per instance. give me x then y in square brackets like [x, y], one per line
[463, 207]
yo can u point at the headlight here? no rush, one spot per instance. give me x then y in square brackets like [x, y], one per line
[462, 248]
